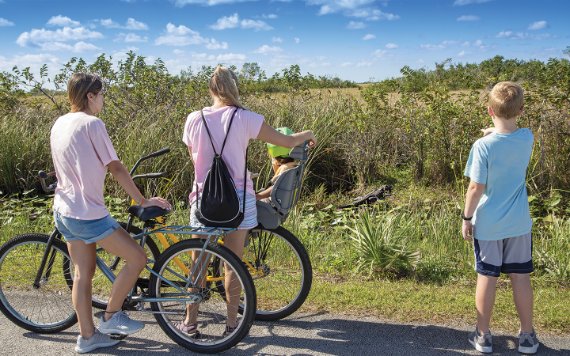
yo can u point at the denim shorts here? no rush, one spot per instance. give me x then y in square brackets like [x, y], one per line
[88, 231]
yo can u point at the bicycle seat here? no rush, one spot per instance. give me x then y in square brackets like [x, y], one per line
[150, 212]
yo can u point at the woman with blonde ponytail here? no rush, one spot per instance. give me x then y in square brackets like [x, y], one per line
[246, 125]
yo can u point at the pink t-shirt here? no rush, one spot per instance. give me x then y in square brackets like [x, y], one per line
[81, 150]
[245, 126]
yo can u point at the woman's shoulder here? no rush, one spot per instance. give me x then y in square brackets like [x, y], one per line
[248, 114]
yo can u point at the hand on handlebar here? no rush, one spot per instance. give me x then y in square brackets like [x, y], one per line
[156, 201]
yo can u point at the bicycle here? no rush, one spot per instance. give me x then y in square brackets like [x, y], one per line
[36, 276]
[277, 261]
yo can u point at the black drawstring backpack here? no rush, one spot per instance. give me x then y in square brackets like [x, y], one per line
[219, 203]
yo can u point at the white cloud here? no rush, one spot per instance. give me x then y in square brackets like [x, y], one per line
[297, 40]
[469, 2]
[66, 34]
[461, 54]
[265, 49]
[34, 61]
[130, 38]
[62, 21]
[131, 24]
[233, 21]
[368, 37]
[78, 47]
[538, 25]
[380, 53]
[512, 35]
[441, 45]
[219, 58]
[391, 45]
[5, 23]
[353, 8]
[354, 25]
[465, 18]
[182, 3]
[180, 36]
[277, 40]
[269, 16]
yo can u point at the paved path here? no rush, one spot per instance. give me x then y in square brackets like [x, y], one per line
[301, 334]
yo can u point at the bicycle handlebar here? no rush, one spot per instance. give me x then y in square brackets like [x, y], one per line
[150, 155]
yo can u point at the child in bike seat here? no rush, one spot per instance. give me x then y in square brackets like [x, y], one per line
[280, 161]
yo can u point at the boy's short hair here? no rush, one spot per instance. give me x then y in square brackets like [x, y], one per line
[506, 99]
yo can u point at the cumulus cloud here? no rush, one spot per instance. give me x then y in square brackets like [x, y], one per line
[465, 18]
[391, 45]
[353, 8]
[461, 54]
[355, 25]
[131, 24]
[512, 35]
[233, 21]
[37, 37]
[219, 58]
[277, 40]
[538, 25]
[180, 36]
[34, 61]
[297, 40]
[441, 45]
[130, 38]
[182, 3]
[368, 37]
[5, 23]
[266, 49]
[469, 2]
[62, 21]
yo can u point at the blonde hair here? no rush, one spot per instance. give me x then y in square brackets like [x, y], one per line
[78, 86]
[506, 99]
[224, 86]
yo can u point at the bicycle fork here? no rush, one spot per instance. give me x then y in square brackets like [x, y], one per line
[48, 258]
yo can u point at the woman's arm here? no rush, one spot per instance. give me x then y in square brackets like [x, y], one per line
[124, 179]
[269, 134]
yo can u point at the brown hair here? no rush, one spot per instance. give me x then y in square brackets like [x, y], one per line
[506, 99]
[224, 85]
[78, 86]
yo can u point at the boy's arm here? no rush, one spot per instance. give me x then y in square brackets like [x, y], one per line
[472, 197]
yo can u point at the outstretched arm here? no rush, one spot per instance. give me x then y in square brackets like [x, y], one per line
[269, 134]
[122, 176]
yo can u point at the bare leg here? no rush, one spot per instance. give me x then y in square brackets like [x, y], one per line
[192, 310]
[120, 243]
[523, 298]
[484, 300]
[235, 241]
[83, 257]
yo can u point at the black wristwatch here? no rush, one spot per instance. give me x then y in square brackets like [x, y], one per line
[465, 217]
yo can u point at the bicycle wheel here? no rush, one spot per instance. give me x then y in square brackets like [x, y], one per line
[46, 308]
[281, 271]
[102, 285]
[210, 307]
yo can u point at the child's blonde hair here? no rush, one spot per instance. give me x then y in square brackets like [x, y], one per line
[224, 85]
[78, 86]
[506, 99]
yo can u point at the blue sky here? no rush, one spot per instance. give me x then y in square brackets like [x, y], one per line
[354, 39]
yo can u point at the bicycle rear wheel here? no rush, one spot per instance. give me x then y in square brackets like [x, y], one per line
[47, 307]
[281, 271]
[210, 307]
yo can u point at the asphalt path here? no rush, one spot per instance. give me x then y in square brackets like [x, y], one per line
[299, 334]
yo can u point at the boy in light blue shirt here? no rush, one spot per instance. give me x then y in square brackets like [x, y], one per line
[497, 218]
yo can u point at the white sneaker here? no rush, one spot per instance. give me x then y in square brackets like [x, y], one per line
[120, 323]
[96, 341]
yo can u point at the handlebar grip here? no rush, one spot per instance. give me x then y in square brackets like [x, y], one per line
[158, 153]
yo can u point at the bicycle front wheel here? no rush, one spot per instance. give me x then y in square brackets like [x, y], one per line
[45, 307]
[281, 271]
[187, 285]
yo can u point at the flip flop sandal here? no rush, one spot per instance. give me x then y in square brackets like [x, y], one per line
[191, 329]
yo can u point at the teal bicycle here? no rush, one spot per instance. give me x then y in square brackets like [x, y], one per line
[36, 276]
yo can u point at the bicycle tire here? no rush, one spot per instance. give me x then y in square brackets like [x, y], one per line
[281, 270]
[20, 258]
[102, 285]
[212, 309]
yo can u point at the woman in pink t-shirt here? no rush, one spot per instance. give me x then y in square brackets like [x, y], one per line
[246, 125]
[82, 152]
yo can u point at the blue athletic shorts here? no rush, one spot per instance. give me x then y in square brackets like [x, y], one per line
[88, 231]
[511, 255]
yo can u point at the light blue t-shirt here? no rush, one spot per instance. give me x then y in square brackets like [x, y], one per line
[500, 162]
